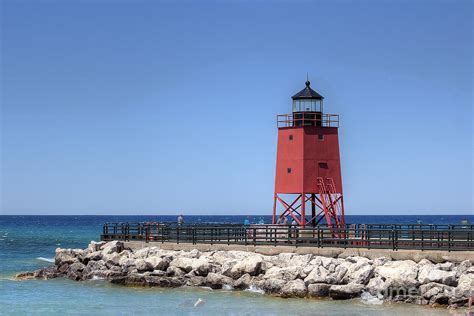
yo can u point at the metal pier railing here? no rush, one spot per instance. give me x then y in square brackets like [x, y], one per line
[376, 236]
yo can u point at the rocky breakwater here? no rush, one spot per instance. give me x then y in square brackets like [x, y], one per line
[285, 275]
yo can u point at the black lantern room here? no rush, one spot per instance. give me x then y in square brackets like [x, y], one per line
[307, 107]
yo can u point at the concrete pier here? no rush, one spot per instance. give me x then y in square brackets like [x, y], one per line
[437, 256]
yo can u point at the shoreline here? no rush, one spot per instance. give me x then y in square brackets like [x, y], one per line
[285, 274]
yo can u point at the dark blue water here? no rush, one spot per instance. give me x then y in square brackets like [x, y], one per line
[29, 242]
[23, 238]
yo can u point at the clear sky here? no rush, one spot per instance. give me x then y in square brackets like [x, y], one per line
[160, 107]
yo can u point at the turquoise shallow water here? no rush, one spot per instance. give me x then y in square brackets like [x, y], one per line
[26, 243]
[59, 297]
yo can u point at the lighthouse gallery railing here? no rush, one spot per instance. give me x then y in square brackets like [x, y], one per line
[307, 119]
[380, 236]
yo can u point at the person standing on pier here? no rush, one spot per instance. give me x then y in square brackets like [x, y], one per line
[294, 229]
[180, 220]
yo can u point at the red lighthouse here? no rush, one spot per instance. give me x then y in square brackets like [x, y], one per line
[308, 182]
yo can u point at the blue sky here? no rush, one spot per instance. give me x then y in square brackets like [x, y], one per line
[161, 107]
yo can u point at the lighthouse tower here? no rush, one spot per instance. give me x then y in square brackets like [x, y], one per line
[308, 182]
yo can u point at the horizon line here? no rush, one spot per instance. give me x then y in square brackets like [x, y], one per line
[224, 214]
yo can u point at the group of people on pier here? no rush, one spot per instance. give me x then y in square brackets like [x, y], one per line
[286, 222]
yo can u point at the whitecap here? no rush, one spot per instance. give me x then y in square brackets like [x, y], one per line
[206, 288]
[50, 260]
[368, 298]
[227, 287]
[96, 277]
[255, 289]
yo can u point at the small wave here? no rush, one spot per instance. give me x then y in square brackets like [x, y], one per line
[96, 277]
[368, 298]
[206, 288]
[9, 278]
[255, 289]
[50, 260]
[227, 287]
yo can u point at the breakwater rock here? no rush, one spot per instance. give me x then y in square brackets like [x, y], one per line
[285, 275]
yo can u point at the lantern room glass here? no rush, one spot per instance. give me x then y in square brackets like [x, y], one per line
[309, 105]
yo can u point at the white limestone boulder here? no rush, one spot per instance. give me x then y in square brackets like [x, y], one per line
[318, 275]
[318, 289]
[251, 265]
[112, 247]
[345, 291]
[430, 274]
[287, 274]
[403, 273]
[295, 288]
[217, 281]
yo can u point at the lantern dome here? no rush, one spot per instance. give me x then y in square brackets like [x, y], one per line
[307, 100]
[307, 93]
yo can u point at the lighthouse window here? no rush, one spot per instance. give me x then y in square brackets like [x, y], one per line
[307, 105]
[289, 170]
[290, 137]
[320, 136]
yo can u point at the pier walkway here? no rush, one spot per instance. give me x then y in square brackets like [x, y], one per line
[394, 237]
